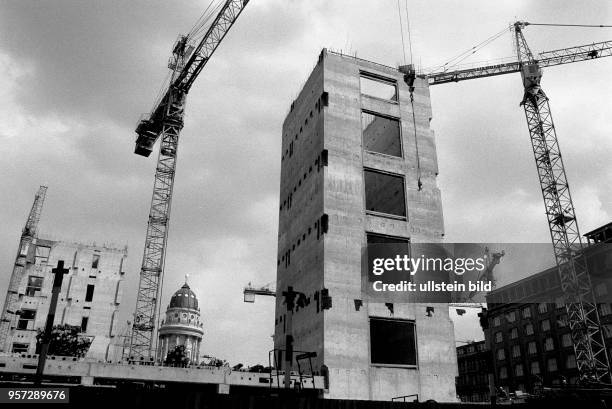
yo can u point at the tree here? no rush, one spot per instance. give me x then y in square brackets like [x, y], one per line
[65, 340]
[177, 357]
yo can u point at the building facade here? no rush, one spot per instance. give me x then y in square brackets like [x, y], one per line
[359, 166]
[530, 340]
[89, 298]
[474, 362]
[182, 326]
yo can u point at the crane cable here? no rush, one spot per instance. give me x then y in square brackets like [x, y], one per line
[454, 61]
[204, 18]
[408, 26]
[411, 89]
[399, 13]
[202, 28]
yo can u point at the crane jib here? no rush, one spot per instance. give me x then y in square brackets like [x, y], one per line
[545, 59]
[149, 129]
[209, 43]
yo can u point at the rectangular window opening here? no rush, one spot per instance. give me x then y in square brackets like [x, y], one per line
[20, 348]
[84, 322]
[26, 319]
[379, 246]
[34, 285]
[95, 261]
[378, 87]
[42, 254]
[392, 342]
[381, 134]
[90, 292]
[385, 193]
[325, 98]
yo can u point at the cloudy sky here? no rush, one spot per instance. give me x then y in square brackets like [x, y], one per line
[76, 75]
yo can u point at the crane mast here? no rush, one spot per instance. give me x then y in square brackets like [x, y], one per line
[583, 318]
[165, 123]
[11, 303]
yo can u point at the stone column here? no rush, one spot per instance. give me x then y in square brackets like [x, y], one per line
[194, 348]
[165, 340]
[190, 343]
[198, 350]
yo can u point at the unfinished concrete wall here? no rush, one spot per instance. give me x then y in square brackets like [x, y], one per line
[96, 266]
[300, 238]
[341, 335]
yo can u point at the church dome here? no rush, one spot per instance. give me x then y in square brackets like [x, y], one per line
[184, 298]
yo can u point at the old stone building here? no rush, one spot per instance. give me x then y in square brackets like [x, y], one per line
[475, 366]
[89, 298]
[359, 167]
[526, 325]
[182, 326]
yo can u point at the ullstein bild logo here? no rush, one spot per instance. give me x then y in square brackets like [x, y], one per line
[432, 286]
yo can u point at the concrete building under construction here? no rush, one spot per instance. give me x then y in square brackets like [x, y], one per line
[90, 296]
[359, 166]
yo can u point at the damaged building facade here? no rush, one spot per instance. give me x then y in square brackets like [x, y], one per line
[359, 167]
[89, 298]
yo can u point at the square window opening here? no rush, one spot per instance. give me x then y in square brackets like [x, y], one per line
[392, 342]
[385, 193]
[379, 246]
[26, 320]
[381, 134]
[34, 285]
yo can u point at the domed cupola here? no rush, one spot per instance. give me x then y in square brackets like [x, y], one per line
[182, 326]
[184, 298]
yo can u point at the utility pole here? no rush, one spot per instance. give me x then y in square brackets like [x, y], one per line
[290, 302]
[58, 277]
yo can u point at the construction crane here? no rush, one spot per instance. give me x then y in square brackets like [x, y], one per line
[487, 273]
[10, 311]
[165, 123]
[583, 319]
[250, 292]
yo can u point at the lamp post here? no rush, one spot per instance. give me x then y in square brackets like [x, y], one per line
[58, 277]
